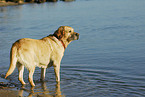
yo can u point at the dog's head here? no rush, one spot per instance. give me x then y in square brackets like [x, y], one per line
[66, 33]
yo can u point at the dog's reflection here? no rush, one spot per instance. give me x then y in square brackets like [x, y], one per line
[44, 92]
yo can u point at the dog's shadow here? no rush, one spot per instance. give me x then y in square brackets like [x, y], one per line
[43, 92]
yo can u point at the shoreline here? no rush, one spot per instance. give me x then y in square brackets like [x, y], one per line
[3, 4]
[9, 3]
[8, 89]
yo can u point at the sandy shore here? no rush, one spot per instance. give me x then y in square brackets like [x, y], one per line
[8, 93]
[6, 90]
[9, 90]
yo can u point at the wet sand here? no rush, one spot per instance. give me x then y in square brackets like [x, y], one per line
[8, 93]
[7, 89]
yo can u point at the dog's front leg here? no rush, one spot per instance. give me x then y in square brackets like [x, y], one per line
[43, 71]
[57, 72]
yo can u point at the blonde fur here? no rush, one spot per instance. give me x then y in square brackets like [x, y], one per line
[43, 53]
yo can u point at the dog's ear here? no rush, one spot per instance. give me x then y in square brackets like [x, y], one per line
[59, 32]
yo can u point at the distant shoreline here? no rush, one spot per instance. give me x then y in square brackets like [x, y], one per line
[9, 3]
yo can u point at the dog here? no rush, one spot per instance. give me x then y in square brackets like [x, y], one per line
[43, 53]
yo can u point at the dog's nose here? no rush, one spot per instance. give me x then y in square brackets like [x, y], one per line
[77, 34]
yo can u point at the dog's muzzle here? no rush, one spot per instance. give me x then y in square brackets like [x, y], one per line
[77, 35]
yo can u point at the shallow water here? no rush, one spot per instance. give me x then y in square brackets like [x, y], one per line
[107, 60]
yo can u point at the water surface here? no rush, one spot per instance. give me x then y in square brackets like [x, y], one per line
[107, 61]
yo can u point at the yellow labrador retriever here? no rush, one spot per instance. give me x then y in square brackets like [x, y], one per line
[44, 53]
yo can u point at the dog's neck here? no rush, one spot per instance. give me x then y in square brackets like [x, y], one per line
[60, 41]
[62, 44]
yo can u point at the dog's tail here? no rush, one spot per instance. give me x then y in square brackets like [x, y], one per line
[13, 60]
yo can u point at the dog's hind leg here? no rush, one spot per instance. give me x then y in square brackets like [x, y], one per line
[31, 72]
[21, 70]
[43, 71]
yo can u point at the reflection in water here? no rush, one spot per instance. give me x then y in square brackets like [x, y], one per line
[6, 9]
[2, 9]
[43, 93]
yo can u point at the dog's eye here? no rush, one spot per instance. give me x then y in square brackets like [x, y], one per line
[70, 31]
